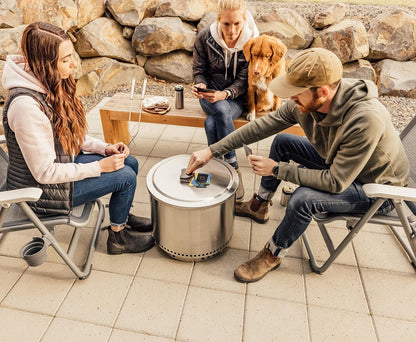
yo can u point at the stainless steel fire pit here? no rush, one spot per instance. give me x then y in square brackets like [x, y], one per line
[190, 223]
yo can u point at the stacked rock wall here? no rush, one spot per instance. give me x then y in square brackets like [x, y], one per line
[116, 40]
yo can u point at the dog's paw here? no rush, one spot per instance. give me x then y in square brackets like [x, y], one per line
[251, 116]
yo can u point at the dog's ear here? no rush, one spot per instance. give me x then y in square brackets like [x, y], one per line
[279, 50]
[247, 49]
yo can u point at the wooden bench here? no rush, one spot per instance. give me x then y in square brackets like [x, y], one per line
[116, 111]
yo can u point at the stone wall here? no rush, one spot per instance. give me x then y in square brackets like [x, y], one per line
[116, 40]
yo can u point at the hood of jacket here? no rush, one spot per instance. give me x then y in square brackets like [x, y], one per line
[249, 31]
[16, 74]
[350, 93]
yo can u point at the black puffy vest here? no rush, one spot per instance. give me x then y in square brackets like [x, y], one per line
[56, 198]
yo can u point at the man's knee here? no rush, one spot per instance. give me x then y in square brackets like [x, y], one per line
[284, 145]
[302, 200]
[283, 140]
[279, 145]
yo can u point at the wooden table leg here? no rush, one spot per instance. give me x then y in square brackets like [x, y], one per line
[114, 130]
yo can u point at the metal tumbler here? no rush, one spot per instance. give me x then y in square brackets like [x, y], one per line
[286, 192]
[178, 97]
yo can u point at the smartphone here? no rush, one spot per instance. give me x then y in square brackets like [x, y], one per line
[247, 150]
[184, 177]
[203, 90]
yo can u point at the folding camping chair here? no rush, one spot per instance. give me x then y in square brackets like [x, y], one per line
[403, 217]
[16, 215]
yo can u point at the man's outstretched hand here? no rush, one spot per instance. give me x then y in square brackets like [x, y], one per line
[199, 159]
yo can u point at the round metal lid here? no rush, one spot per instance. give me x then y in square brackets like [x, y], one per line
[163, 182]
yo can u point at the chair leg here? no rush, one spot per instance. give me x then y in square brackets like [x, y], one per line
[94, 238]
[410, 234]
[312, 261]
[335, 252]
[3, 213]
[410, 254]
[83, 271]
[332, 254]
[327, 238]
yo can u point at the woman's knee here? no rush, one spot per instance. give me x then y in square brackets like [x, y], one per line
[219, 110]
[209, 124]
[125, 177]
[133, 163]
[85, 158]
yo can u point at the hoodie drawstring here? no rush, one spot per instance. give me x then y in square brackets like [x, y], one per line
[226, 63]
[235, 64]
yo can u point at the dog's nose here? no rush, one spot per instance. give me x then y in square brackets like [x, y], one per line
[256, 72]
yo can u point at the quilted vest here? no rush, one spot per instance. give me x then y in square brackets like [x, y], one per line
[56, 199]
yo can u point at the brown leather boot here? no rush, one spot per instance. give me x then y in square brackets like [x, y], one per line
[255, 209]
[257, 267]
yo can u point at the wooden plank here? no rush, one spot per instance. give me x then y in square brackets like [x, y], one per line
[114, 130]
[118, 110]
[121, 108]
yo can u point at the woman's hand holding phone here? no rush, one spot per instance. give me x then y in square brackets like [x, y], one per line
[196, 90]
[205, 90]
[201, 91]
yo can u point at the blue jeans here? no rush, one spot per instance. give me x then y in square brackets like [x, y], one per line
[121, 184]
[219, 122]
[305, 201]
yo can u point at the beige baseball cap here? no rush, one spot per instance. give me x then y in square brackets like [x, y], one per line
[314, 67]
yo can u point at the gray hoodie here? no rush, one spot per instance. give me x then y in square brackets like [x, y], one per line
[356, 138]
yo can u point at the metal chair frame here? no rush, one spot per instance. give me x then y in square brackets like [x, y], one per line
[404, 215]
[16, 215]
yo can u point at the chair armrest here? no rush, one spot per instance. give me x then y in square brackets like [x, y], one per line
[390, 192]
[20, 195]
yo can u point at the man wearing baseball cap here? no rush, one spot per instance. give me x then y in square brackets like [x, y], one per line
[350, 140]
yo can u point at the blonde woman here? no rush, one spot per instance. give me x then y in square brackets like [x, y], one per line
[219, 64]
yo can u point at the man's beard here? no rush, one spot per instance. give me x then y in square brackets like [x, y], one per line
[313, 106]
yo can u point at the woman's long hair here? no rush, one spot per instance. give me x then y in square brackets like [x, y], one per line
[40, 46]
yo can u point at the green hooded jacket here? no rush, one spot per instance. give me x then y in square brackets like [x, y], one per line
[356, 139]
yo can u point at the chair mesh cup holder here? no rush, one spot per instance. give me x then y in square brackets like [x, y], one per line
[34, 252]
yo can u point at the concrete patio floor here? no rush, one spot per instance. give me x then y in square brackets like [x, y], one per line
[369, 294]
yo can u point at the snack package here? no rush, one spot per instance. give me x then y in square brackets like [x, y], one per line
[156, 105]
[200, 180]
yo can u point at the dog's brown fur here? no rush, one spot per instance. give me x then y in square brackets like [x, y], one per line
[265, 55]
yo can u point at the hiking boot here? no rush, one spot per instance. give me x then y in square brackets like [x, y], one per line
[257, 267]
[239, 194]
[257, 209]
[128, 241]
[139, 224]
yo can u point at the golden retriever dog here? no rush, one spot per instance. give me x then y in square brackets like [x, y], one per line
[265, 55]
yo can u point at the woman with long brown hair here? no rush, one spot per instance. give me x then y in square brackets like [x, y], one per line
[45, 128]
